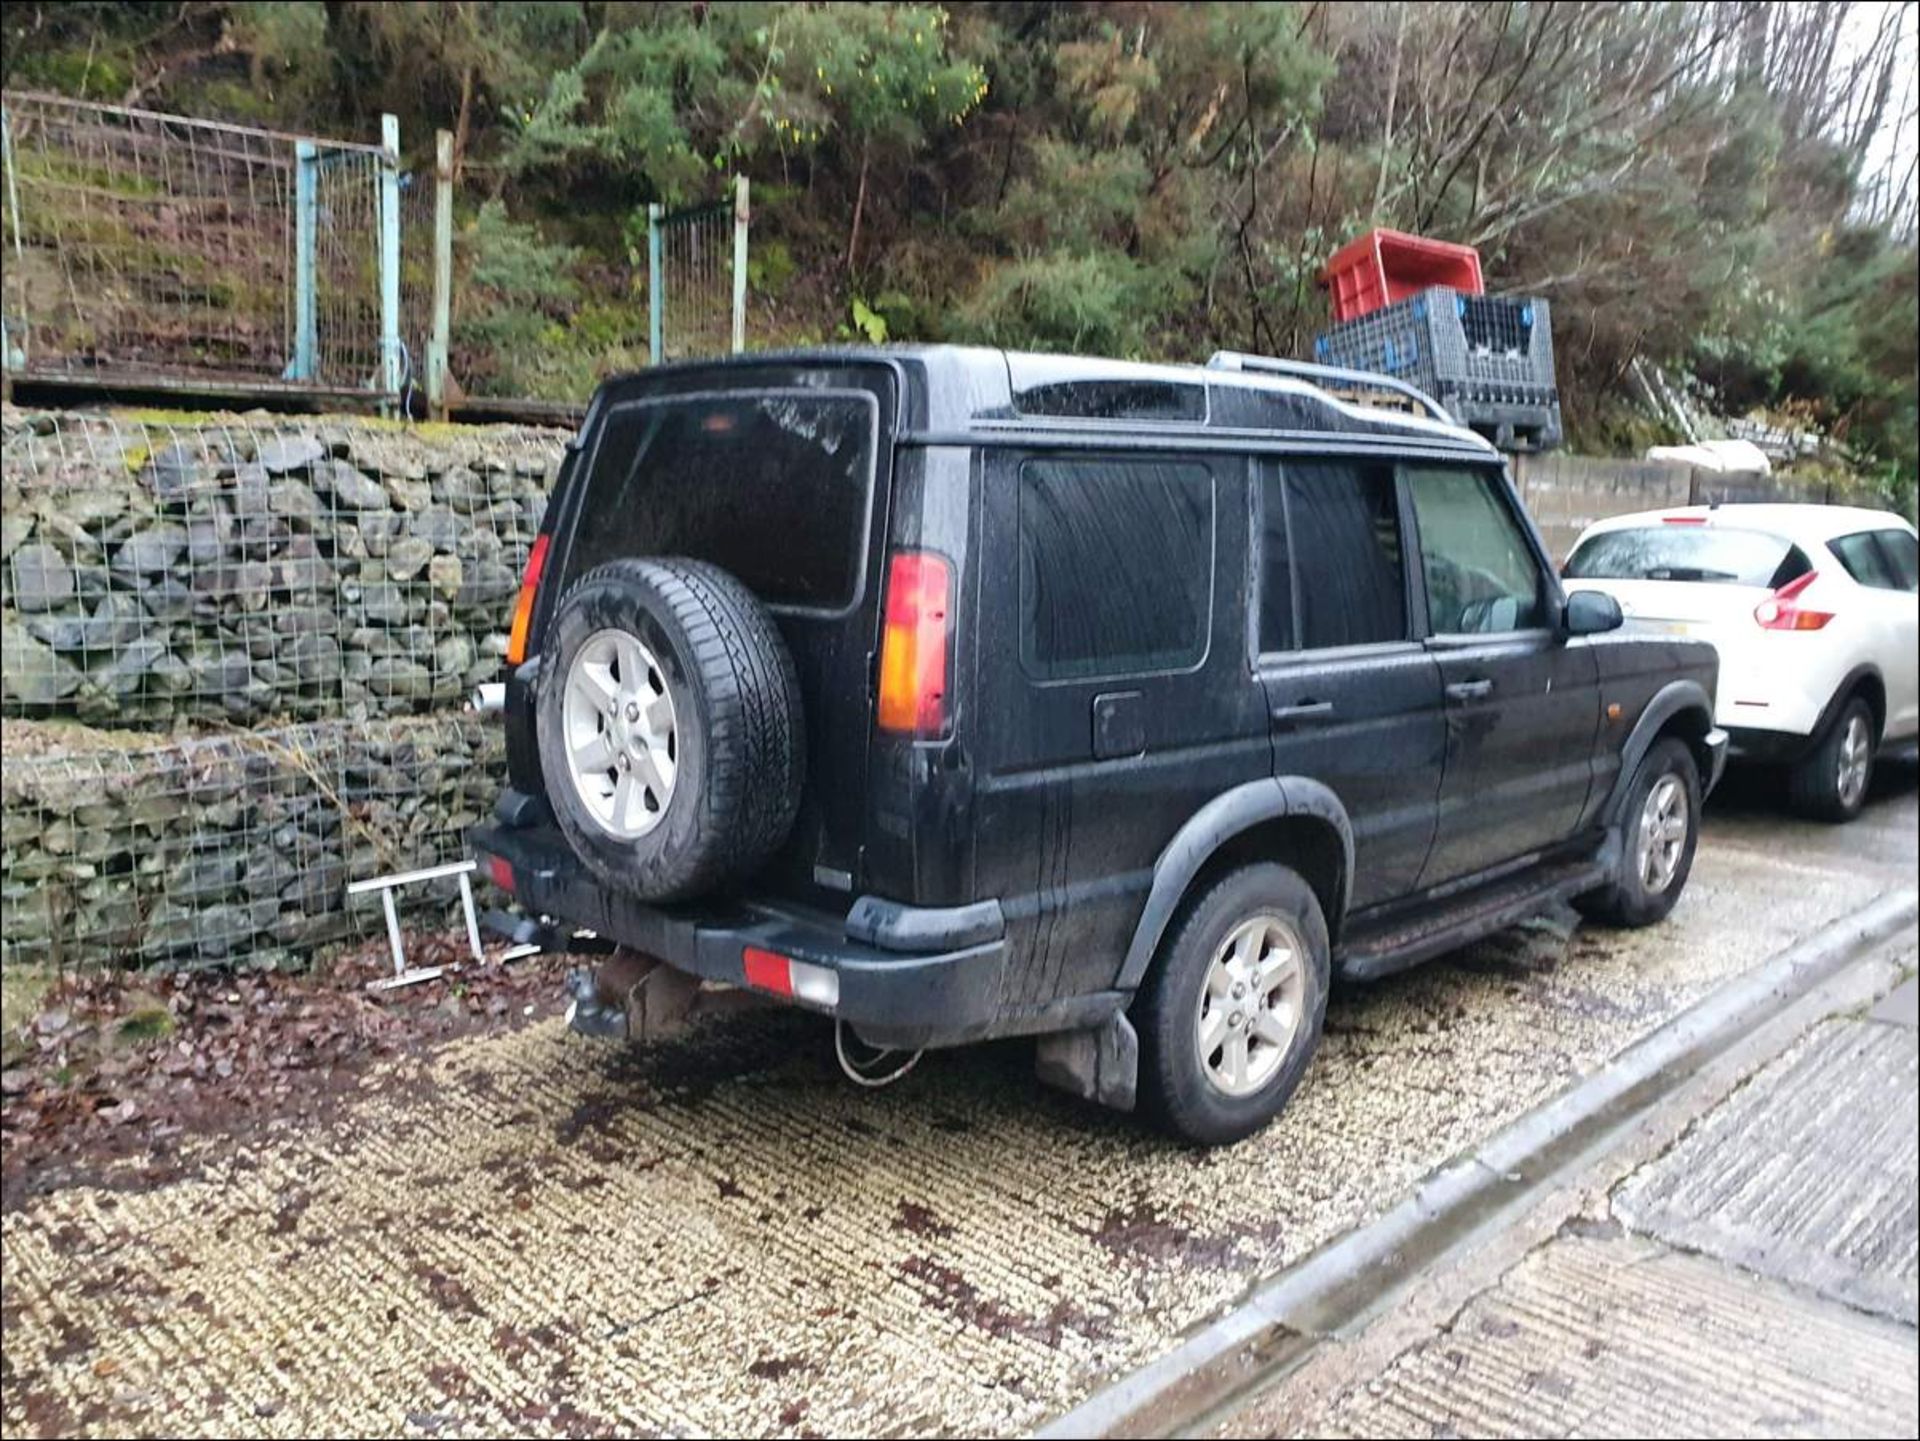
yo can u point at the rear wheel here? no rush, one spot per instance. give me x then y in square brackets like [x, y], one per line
[1660, 827]
[1232, 1009]
[1830, 783]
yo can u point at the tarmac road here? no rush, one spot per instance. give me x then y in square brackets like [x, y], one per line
[724, 1237]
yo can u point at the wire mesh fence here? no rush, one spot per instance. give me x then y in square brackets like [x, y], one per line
[170, 251]
[146, 245]
[285, 600]
[417, 227]
[696, 291]
[347, 347]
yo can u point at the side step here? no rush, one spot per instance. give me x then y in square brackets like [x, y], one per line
[1380, 949]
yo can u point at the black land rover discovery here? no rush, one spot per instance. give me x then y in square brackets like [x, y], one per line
[955, 693]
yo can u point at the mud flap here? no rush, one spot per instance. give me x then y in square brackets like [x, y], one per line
[1099, 1064]
[631, 997]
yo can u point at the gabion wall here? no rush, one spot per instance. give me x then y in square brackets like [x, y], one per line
[232, 849]
[235, 656]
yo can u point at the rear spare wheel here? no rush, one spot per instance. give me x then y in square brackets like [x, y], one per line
[669, 727]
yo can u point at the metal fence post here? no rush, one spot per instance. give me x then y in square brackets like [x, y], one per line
[306, 327]
[7, 363]
[656, 300]
[740, 218]
[392, 372]
[442, 274]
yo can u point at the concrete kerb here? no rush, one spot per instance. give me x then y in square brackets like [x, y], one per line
[1341, 1285]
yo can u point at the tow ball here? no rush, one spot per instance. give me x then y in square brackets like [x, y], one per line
[631, 997]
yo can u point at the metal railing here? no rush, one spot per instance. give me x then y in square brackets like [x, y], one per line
[161, 252]
[697, 279]
[153, 249]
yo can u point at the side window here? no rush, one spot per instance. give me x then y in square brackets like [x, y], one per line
[1481, 574]
[1345, 528]
[1276, 570]
[1116, 566]
[1866, 560]
[1903, 556]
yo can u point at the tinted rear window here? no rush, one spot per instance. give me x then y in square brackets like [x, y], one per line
[1116, 566]
[773, 486]
[1714, 555]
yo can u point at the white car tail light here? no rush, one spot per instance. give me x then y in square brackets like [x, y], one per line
[1780, 611]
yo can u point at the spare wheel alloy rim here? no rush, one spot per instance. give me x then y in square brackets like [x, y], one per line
[621, 734]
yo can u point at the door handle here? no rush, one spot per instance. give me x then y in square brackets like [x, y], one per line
[1307, 710]
[1469, 689]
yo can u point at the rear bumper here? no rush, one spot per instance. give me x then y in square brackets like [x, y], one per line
[1768, 747]
[945, 994]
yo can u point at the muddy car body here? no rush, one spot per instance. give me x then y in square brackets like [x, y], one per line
[981, 694]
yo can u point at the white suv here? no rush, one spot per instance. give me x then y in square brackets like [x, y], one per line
[1814, 611]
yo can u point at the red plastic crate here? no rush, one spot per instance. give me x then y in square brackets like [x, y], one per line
[1383, 266]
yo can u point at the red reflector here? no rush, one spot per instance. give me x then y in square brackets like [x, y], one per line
[914, 642]
[1684, 519]
[523, 607]
[500, 873]
[768, 971]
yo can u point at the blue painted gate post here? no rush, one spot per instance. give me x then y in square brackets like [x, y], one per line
[392, 356]
[656, 288]
[306, 339]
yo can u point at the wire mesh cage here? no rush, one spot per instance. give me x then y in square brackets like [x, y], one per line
[1487, 358]
[142, 245]
[232, 849]
[294, 590]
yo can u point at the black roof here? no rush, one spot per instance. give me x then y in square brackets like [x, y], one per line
[961, 392]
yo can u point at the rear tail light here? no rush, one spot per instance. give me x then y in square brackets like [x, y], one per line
[500, 873]
[1780, 612]
[784, 976]
[1684, 519]
[523, 607]
[915, 639]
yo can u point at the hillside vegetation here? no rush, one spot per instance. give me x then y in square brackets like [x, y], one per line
[1690, 183]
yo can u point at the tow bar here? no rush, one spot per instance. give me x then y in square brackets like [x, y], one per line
[628, 997]
[631, 997]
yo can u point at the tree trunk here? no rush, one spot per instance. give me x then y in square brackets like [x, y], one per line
[859, 205]
[1393, 95]
[462, 123]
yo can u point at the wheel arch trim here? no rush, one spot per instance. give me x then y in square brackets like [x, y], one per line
[1674, 699]
[1230, 814]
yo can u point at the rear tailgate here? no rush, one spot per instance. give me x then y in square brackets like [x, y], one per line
[778, 473]
[1700, 612]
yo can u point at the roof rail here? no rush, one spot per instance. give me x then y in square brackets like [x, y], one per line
[1306, 370]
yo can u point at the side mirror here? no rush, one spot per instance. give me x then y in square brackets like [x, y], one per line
[1589, 612]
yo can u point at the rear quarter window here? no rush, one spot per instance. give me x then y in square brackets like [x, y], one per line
[1882, 559]
[1116, 565]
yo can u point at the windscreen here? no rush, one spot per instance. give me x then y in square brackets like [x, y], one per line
[1710, 554]
[772, 485]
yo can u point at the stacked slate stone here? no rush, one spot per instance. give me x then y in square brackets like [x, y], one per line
[281, 623]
